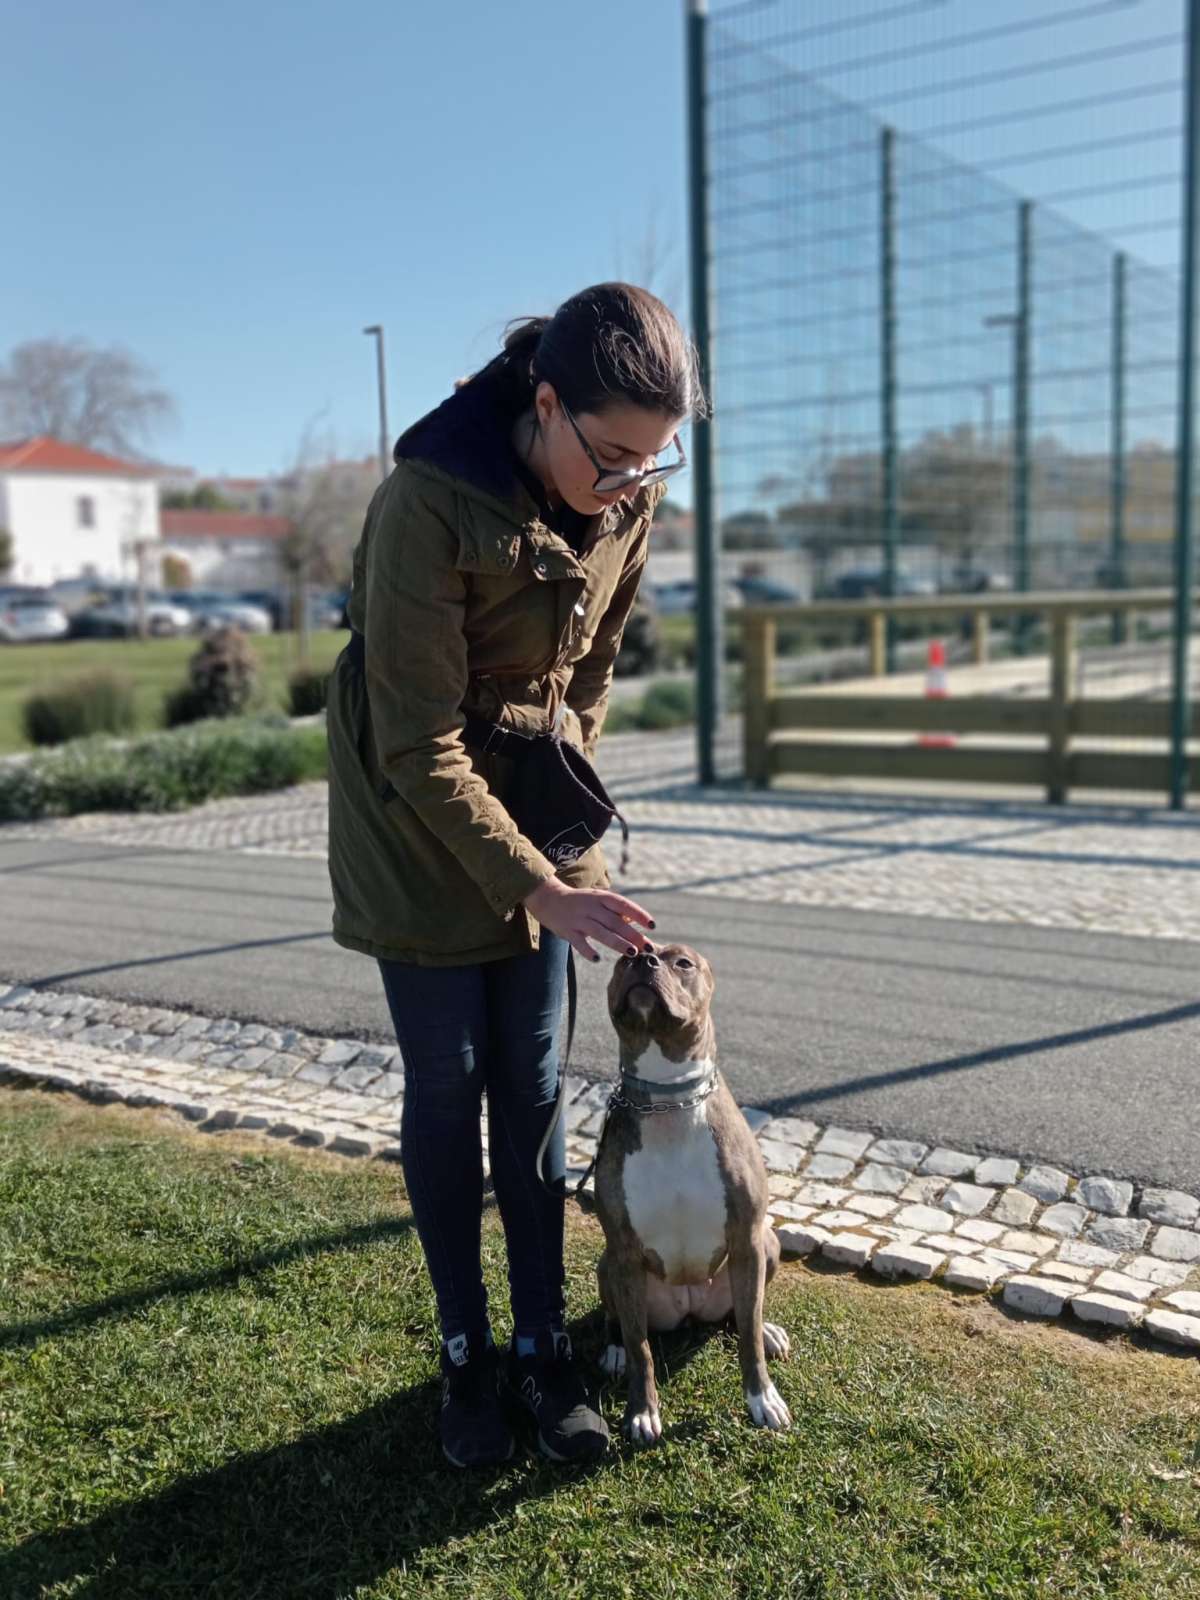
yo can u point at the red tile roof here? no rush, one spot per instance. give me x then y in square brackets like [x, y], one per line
[222, 525]
[52, 455]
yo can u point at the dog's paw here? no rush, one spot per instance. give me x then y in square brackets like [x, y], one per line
[643, 1427]
[767, 1410]
[612, 1362]
[775, 1341]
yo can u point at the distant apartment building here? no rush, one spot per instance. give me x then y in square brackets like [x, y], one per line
[229, 550]
[73, 512]
[276, 495]
[260, 496]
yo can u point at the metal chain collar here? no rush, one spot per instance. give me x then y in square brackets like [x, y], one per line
[619, 1099]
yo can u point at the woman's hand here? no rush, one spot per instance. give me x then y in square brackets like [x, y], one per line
[578, 915]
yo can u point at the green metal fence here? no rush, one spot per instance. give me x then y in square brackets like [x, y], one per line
[928, 375]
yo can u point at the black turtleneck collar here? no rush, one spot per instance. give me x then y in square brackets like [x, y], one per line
[470, 436]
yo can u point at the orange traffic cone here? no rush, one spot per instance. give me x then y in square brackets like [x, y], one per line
[936, 689]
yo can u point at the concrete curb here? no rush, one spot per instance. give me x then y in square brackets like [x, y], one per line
[1043, 1241]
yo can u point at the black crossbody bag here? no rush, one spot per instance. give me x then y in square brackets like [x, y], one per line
[556, 799]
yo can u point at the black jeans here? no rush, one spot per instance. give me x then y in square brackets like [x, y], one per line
[462, 1031]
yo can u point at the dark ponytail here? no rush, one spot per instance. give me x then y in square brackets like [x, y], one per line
[610, 343]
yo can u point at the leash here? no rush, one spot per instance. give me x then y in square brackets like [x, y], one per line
[564, 1191]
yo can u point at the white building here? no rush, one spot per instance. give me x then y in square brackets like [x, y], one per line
[227, 550]
[73, 512]
[264, 496]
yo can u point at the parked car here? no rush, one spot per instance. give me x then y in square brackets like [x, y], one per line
[210, 609]
[114, 615]
[73, 594]
[758, 591]
[30, 616]
[866, 583]
[327, 609]
[679, 598]
[975, 580]
[269, 600]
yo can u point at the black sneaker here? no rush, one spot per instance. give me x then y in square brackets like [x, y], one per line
[548, 1385]
[473, 1427]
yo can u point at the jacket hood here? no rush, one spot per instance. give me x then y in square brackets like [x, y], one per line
[467, 436]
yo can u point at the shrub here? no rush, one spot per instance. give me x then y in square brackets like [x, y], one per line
[641, 643]
[222, 679]
[162, 772]
[307, 690]
[664, 705]
[181, 706]
[668, 705]
[101, 702]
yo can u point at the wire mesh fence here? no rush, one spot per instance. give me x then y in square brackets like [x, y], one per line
[947, 305]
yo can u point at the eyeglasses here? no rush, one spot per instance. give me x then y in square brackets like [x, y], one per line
[607, 479]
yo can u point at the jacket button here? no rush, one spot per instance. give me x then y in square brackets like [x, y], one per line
[540, 569]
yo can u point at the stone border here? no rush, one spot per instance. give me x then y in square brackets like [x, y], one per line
[1041, 1239]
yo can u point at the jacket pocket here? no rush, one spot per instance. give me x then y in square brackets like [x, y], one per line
[486, 545]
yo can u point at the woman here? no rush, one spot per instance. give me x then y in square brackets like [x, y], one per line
[496, 570]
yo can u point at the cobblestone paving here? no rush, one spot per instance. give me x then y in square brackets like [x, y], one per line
[1044, 1240]
[1128, 871]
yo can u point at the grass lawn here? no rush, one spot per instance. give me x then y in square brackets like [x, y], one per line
[154, 665]
[217, 1379]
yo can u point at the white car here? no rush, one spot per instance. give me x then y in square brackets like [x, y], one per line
[210, 610]
[30, 616]
[679, 598]
[115, 616]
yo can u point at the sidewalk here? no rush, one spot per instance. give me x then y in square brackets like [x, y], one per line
[1101, 869]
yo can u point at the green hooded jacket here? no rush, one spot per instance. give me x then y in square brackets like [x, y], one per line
[468, 602]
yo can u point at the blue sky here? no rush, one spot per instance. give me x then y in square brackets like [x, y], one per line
[233, 190]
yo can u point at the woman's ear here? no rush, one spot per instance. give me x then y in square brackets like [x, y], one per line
[545, 403]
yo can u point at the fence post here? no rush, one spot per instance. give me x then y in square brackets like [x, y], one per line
[1021, 332]
[1062, 696]
[1186, 441]
[877, 624]
[1116, 576]
[710, 620]
[887, 346]
[980, 638]
[759, 638]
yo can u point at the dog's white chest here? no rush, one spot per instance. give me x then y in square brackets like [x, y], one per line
[675, 1194]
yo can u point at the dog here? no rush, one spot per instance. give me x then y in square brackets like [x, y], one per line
[681, 1190]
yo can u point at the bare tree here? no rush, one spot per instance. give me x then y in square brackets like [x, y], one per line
[324, 499]
[69, 390]
[652, 262]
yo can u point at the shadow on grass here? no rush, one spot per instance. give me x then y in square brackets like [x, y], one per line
[316, 1516]
[21, 1334]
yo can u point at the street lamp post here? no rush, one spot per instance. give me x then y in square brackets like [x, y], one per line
[985, 389]
[385, 454]
[1019, 556]
[1018, 321]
